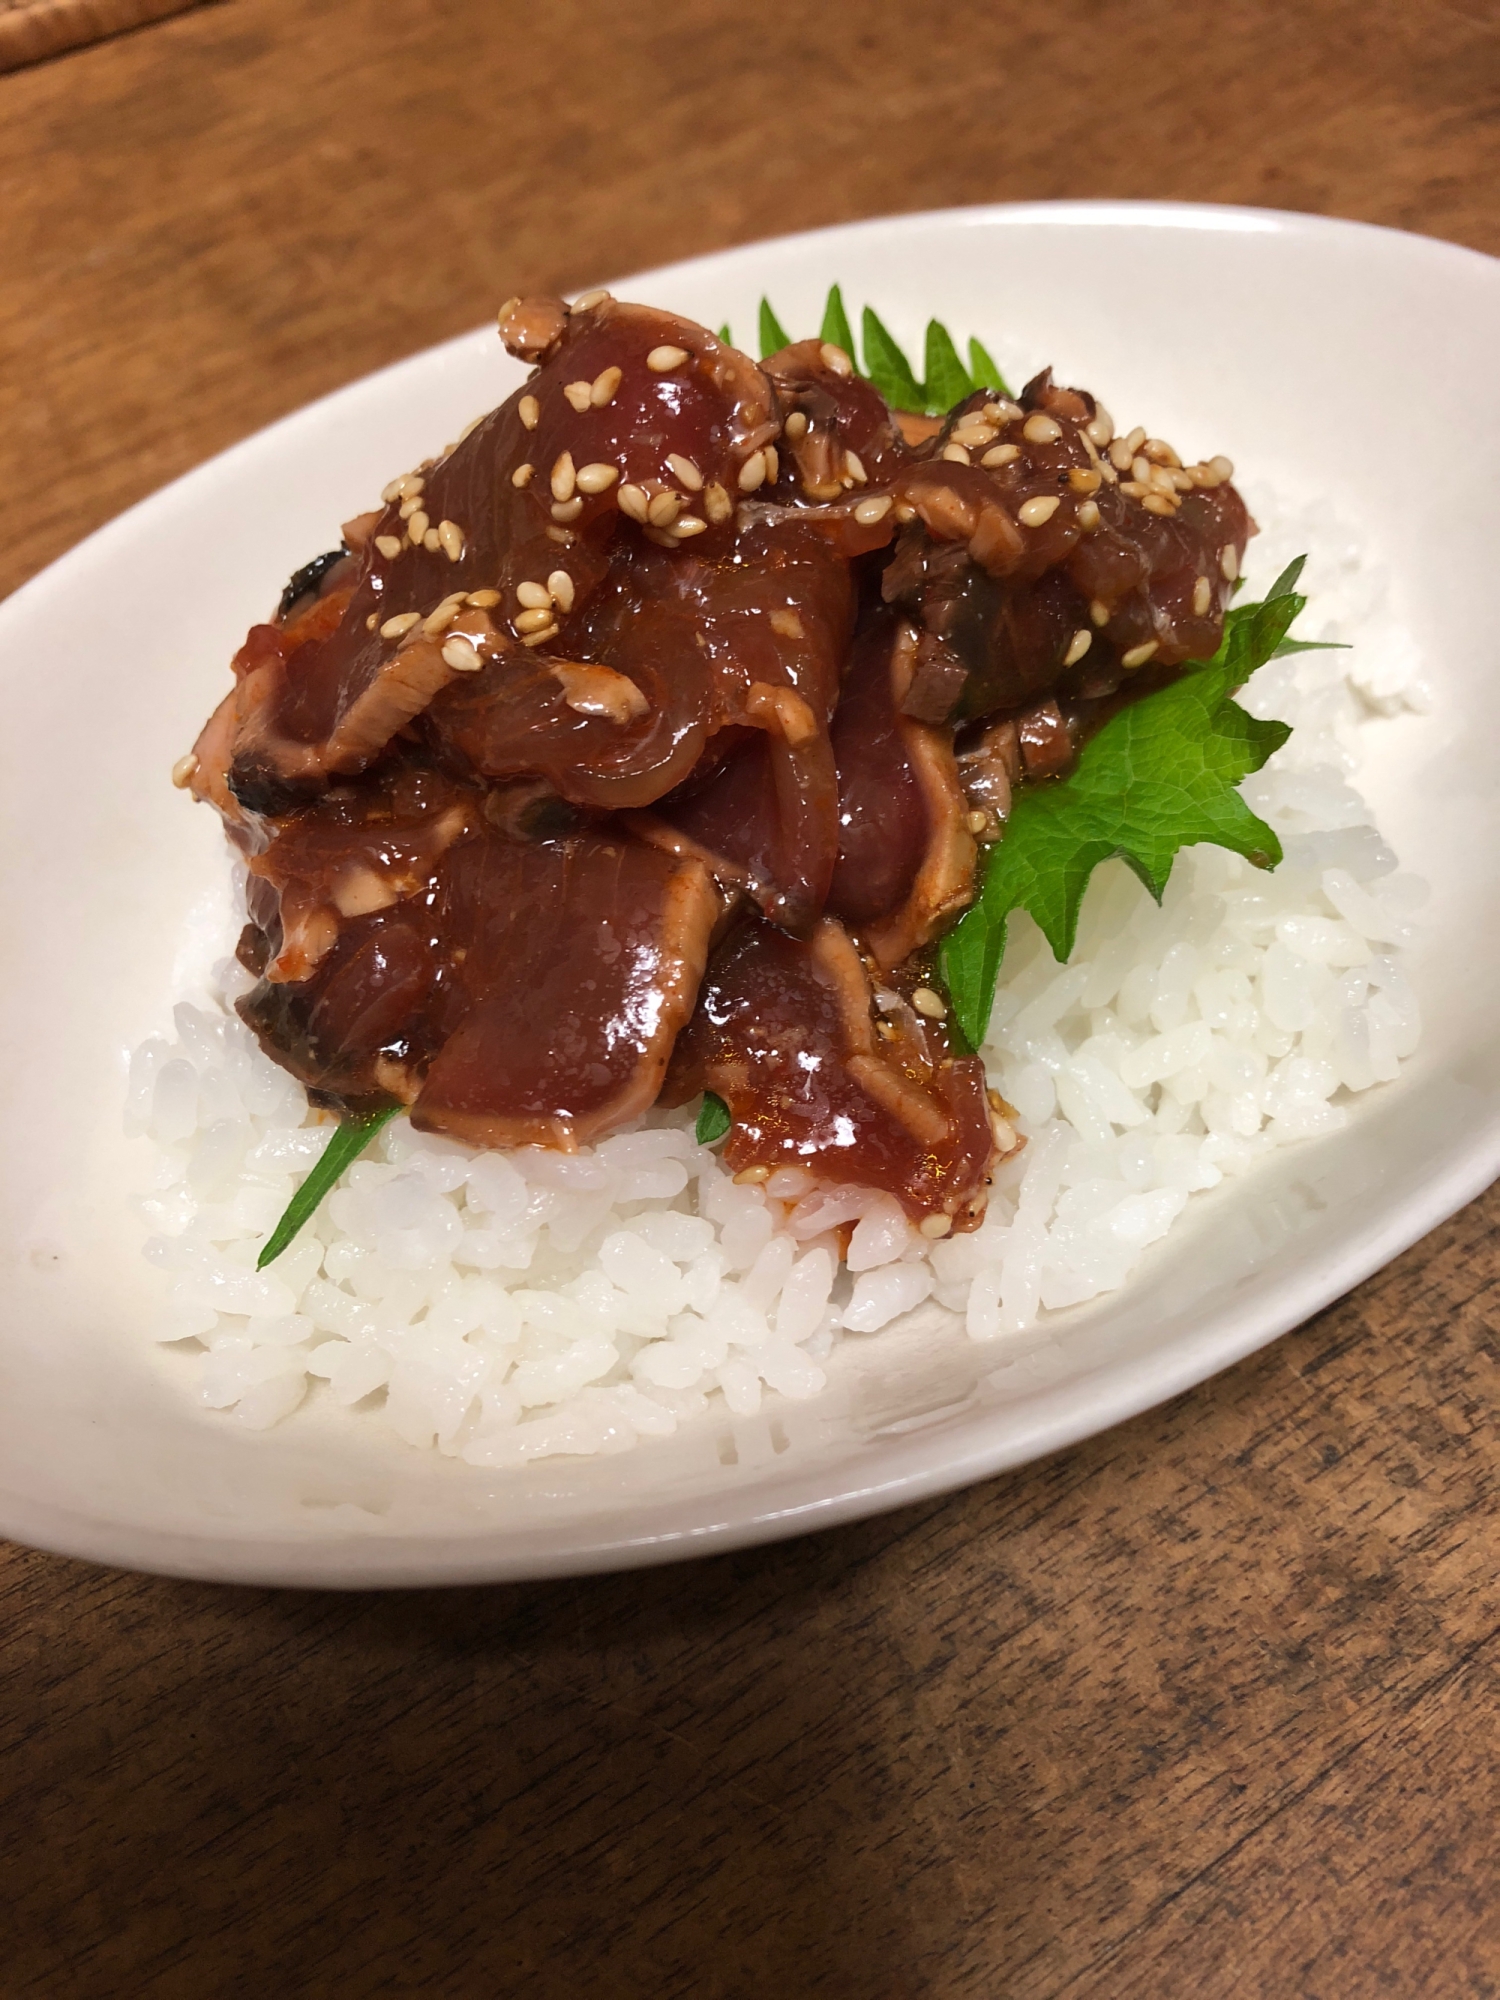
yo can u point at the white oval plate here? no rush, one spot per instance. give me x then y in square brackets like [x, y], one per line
[1348, 361]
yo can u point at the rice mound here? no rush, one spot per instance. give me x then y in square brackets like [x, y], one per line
[510, 1306]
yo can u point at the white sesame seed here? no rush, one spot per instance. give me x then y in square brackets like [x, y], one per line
[560, 589]
[796, 425]
[717, 504]
[588, 301]
[409, 506]
[662, 509]
[874, 509]
[430, 542]
[534, 596]
[977, 822]
[662, 360]
[567, 510]
[753, 472]
[1203, 596]
[1040, 428]
[483, 599]
[440, 619]
[835, 359]
[1140, 469]
[460, 655]
[1082, 639]
[1229, 562]
[1035, 513]
[540, 638]
[564, 478]
[957, 453]
[934, 1226]
[1088, 516]
[451, 535]
[417, 526]
[522, 475]
[391, 491]
[390, 546]
[410, 484]
[393, 628]
[184, 771]
[1138, 655]
[597, 478]
[751, 1176]
[529, 410]
[855, 468]
[534, 620]
[633, 500]
[1223, 466]
[603, 387]
[372, 621]
[1001, 454]
[929, 1003]
[1099, 611]
[687, 473]
[578, 394]
[1120, 455]
[687, 525]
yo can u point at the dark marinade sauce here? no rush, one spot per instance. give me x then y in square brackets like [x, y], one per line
[646, 742]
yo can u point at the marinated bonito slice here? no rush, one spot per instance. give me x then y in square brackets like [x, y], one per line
[673, 648]
[633, 415]
[1044, 556]
[906, 852]
[510, 991]
[786, 1034]
[582, 960]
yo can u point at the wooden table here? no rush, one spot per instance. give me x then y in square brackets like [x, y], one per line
[1203, 1707]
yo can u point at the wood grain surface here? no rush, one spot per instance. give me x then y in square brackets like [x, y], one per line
[1204, 1707]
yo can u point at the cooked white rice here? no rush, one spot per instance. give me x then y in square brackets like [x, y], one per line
[510, 1306]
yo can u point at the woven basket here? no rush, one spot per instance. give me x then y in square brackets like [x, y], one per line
[33, 29]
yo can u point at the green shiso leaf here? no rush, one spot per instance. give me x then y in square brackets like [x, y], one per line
[888, 368]
[725, 335]
[713, 1119]
[885, 363]
[985, 370]
[342, 1150]
[773, 335]
[947, 378]
[836, 325]
[1158, 777]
